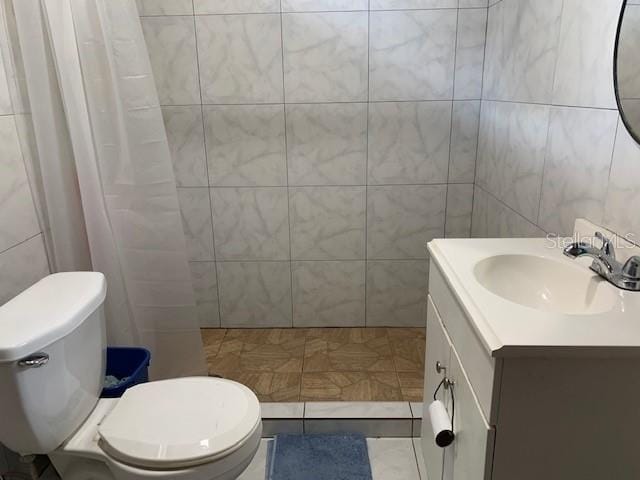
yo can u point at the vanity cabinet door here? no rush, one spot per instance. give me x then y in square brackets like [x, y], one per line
[470, 456]
[438, 350]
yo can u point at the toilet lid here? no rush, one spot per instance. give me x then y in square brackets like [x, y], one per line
[180, 422]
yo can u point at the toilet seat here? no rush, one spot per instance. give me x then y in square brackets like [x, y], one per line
[179, 423]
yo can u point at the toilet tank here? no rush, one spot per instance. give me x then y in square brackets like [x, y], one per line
[52, 360]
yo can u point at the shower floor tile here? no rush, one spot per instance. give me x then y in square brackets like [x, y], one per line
[321, 364]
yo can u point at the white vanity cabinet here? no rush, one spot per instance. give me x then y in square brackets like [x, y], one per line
[469, 457]
[531, 413]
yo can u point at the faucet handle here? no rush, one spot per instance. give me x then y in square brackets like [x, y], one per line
[631, 268]
[607, 245]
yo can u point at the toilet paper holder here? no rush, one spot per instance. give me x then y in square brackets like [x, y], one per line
[441, 424]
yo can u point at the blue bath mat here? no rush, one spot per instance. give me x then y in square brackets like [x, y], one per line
[318, 457]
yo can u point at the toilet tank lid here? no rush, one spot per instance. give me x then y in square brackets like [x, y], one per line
[48, 311]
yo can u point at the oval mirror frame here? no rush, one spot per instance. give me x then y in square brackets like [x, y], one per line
[625, 120]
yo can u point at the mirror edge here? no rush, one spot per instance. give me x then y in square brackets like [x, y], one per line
[634, 135]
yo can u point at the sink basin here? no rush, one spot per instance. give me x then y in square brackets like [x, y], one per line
[546, 284]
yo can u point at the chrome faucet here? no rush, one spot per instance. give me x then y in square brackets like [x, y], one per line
[625, 276]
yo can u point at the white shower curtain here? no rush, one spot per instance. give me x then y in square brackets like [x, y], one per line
[124, 173]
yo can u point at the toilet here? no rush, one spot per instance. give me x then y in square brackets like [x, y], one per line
[52, 366]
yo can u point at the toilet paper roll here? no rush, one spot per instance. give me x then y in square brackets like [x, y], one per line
[441, 424]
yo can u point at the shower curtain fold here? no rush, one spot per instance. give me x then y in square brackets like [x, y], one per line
[125, 177]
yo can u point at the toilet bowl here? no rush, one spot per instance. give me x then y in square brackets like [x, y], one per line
[192, 428]
[52, 361]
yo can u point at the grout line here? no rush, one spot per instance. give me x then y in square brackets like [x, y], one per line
[330, 186]
[22, 242]
[286, 164]
[206, 165]
[549, 117]
[415, 454]
[361, 102]
[511, 209]
[613, 151]
[453, 80]
[482, 86]
[550, 104]
[339, 260]
[366, 167]
[303, 12]
[544, 167]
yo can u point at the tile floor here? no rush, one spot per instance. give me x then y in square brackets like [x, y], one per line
[321, 364]
[391, 459]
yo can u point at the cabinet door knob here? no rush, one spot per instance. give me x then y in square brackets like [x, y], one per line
[440, 368]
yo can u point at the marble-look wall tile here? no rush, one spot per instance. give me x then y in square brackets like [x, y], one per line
[412, 4]
[473, 3]
[5, 92]
[204, 7]
[246, 145]
[255, 294]
[205, 288]
[583, 73]
[402, 219]
[18, 219]
[472, 26]
[459, 209]
[576, 167]
[13, 61]
[325, 56]
[164, 7]
[240, 58]
[22, 266]
[396, 293]
[624, 187]
[464, 141]
[493, 219]
[327, 144]
[328, 294]
[522, 41]
[251, 223]
[287, 182]
[409, 142]
[412, 55]
[327, 223]
[196, 221]
[171, 42]
[511, 153]
[186, 142]
[323, 5]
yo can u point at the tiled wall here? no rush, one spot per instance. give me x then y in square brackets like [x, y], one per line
[318, 145]
[23, 260]
[551, 144]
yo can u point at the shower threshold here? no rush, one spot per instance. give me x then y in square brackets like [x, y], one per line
[371, 419]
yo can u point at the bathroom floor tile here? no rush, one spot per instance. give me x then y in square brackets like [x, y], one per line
[269, 387]
[315, 364]
[411, 385]
[257, 468]
[352, 349]
[268, 350]
[393, 458]
[350, 386]
[408, 345]
[212, 340]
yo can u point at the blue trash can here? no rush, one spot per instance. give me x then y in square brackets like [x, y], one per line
[128, 364]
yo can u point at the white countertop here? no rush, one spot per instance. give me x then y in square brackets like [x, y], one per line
[510, 329]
